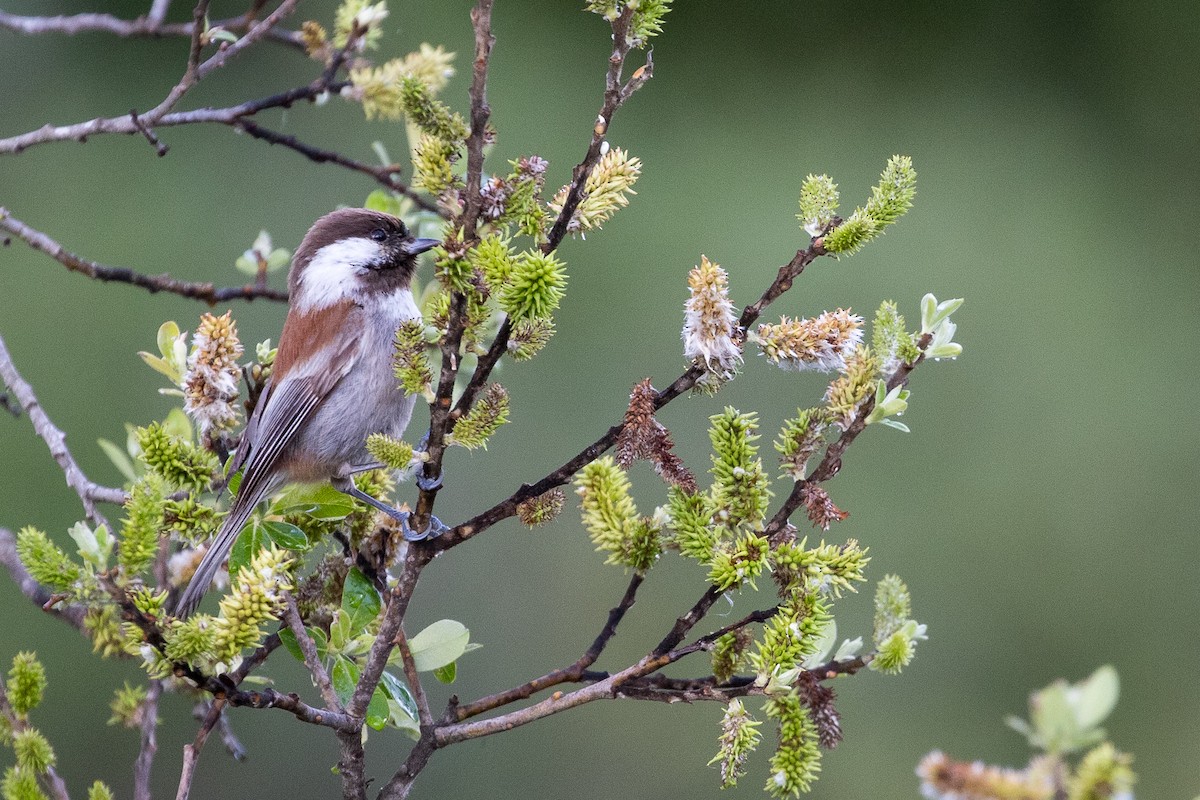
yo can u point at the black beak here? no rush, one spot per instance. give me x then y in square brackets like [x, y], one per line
[412, 247]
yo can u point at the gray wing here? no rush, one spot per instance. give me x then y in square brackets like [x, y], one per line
[281, 411]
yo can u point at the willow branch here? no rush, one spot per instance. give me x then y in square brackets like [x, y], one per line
[570, 674]
[149, 742]
[439, 412]
[312, 660]
[89, 493]
[150, 26]
[414, 680]
[191, 751]
[41, 596]
[197, 290]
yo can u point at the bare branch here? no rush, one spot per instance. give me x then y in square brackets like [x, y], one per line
[191, 751]
[158, 11]
[149, 746]
[89, 493]
[204, 291]
[148, 27]
[291, 616]
[385, 175]
[414, 680]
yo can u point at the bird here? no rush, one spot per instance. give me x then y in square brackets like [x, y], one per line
[332, 382]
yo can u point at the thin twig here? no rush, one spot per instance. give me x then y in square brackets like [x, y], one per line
[142, 27]
[89, 493]
[312, 660]
[439, 411]
[385, 175]
[572, 673]
[414, 680]
[197, 290]
[149, 742]
[191, 751]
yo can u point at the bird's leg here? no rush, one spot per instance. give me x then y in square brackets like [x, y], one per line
[423, 483]
[345, 484]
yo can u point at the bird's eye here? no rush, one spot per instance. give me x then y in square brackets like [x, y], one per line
[378, 235]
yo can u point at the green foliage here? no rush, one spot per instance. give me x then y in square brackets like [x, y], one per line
[128, 706]
[646, 21]
[409, 361]
[818, 203]
[99, 791]
[20, 784]
[489, 412]
[179, 462]
[606, 191]
[792, 633]
[831, 568]
[26, 683]
[144, 517]
[797, 760]
[537, 285]
[890, 199]
[429, 114]
[740, 490]
[935, 320]
[729, 654]
[741, 562]
[493, 258]
[739, 737]
[691, 520]
[433, 164]
[854, 385]
[896, 634]
[253, 601]
[891, 343]
[1103, 773]
[48, 565]
[33, 751]
[192, 520]
[394, 453]
[172, 358]
[612, 519]
[1065, 718]
[528, 338]
[799, 439]
[361, 17]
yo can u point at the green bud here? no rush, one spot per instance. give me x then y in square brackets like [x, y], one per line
[26, 683]
[48, 565]
[818, 203]
[490, 411]
[392, 452]
[144, 510]
[99, 791]
[179, 462]
[739, 737]
[128, 706]
[20, 784]
[537, 285]
[409, 361]
[740, 487]
[33, 751]
[797, 761]
[611, 518]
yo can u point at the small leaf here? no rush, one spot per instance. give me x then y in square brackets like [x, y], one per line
[285, 535]
[117, 456]
[222, 35]
[345, 678]
[377, 710]
[247, 263]
[891, 423]
[246, 547]
[360, 600]
[399, 692]
[439, 644]
[279, 257]
[401, 720]
[1097, 696]
[178, 425]
[168, 332]
[319, 502]
[289, 642]
[380, 200]
[448, 673]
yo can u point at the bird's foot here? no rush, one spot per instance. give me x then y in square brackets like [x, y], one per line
[435, 528]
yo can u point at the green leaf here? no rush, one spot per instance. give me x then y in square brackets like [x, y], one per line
[360, 600]
[439, 644]
[168, 332]
[246, 263]
[1097, 696]
[251, 540]
[319, 502]
[178, 425]
[380, 200]
[448, 673]
[345, 678]
[378, 712]
[119, 459]
[891, 423]
[293, 645]
[398, 691]
[285, 535]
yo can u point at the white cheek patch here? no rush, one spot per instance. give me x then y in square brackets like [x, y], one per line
[332, 275]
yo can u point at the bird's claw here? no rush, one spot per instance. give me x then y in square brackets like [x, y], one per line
[435, 529]
[428, 484]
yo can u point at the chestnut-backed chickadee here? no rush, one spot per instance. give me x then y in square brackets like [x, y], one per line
[332, 383]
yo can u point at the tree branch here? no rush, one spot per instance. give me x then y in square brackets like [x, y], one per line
[312, 660]
[89, 493]
[149, 746]
[151, 26]
[203, 291]
[191, 751]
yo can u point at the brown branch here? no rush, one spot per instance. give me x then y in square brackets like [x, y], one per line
[191, 751]
[291, 703]
[149, 742]
[570, 674]
[89, 493]
[312, 660]
[385, 175]
[439, 412]
[203, 291]
[151, 26]
[414, 680]
[615, 94]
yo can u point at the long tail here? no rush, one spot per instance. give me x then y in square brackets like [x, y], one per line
[218, 550]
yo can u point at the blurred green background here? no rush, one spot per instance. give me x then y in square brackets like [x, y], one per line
[1042, 511]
